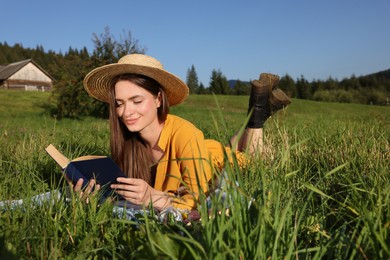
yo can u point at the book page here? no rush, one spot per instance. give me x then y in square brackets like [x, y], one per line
[88, 157]
[61, 159]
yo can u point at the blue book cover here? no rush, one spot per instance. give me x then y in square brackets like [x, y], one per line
[101, 168]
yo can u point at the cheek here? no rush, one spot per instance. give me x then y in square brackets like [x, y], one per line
[147, 107]
[119, 111]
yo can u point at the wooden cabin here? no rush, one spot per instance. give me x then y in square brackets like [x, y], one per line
[25, 75]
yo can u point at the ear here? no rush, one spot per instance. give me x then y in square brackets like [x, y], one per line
[158, 100]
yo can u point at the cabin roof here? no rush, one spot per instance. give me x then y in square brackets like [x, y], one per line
[7, 71]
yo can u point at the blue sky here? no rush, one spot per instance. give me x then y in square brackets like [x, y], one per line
[242, 38]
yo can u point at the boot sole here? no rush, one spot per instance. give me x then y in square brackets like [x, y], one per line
[278, 97]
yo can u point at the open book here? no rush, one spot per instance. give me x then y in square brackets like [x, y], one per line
[101, 168]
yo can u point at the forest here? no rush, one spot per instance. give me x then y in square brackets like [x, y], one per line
[69, 68]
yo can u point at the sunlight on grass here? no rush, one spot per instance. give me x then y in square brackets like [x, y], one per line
[321, 191]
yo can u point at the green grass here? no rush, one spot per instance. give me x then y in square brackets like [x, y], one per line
[321, 191]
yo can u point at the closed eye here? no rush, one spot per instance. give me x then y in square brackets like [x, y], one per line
[118, 104]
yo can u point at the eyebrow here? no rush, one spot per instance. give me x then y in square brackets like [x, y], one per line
[131, 98]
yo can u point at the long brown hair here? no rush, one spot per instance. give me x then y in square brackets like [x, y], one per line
[127, 148]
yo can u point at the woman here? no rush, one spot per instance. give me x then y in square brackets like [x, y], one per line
[166, 158]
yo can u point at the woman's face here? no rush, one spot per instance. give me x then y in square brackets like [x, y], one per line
[136, 107]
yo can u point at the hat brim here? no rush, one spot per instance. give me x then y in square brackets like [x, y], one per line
[97, 83]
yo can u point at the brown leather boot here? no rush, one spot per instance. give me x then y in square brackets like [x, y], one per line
[278, 99]
[265, 99]
[259, 105]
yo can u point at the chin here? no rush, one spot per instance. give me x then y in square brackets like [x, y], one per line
[135, 127]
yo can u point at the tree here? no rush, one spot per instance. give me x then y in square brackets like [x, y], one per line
[72, 100]
[192, 80]
[109, 50]
[331, 84]
[287, 84]
[303, 88]
[219, 83]
[202, 90]
[241, 88]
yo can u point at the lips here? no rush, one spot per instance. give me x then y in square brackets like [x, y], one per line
[130, 121]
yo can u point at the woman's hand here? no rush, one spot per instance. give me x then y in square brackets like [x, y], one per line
[92, 187]
[138, 192]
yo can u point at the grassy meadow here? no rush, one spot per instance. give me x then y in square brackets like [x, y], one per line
[321, 190]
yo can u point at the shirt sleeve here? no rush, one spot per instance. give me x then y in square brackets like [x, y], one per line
[195, 167]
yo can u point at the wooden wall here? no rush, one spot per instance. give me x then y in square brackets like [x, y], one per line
[29, 78]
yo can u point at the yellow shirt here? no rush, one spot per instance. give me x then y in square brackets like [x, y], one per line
[187, 163]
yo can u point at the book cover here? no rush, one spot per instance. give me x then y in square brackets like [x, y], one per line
[101, 168]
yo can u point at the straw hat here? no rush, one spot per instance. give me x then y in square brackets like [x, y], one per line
[98, 82]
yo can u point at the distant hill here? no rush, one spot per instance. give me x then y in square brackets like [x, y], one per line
[381, 75]
[232, 82]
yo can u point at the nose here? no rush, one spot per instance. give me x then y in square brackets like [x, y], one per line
[128, 109]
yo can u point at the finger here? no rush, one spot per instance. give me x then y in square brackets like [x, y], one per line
[79, 185]
[84, 194]
[96, 189]
[126, 180]
[121, 187]
[126, 187]
[129, 196]
[91, 190]
[90, 187]
[138, 197]
[125, 193]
